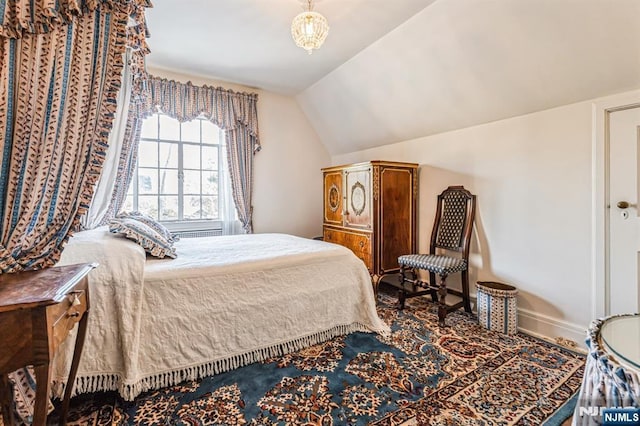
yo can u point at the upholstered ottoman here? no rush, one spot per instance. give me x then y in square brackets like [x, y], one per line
[497, 308]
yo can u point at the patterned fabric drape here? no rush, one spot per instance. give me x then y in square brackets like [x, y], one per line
[235, 113]
[22, 17]
[240, 160]
[99, 205]
[60, 69]
[128, 159]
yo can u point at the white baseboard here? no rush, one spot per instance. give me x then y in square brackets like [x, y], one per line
[548, 328]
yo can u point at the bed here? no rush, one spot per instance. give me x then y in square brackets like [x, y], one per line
[225, 302]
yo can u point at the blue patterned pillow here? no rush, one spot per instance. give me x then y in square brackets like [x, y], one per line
[149, 239]
[150, 222]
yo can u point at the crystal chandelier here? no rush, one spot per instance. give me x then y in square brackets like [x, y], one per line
[309, 29]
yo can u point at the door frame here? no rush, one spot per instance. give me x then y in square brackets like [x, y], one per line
[601, 114]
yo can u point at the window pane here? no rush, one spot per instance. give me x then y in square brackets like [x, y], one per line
[148, 154]
[150, 127]
[192, 207]
[149, 205]
[169, 128]
[210, 183]
[210, 132]
[168, 155]
[191, 147]
[210, 208]
[191, 156]
[128, 204]
[191, 131]
[191, 182]
[209, 158]
[169, 208]
[130, 190]
[168, 181]
[147, 181]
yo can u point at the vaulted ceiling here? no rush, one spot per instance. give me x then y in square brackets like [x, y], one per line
[249, 41]
[397, 70]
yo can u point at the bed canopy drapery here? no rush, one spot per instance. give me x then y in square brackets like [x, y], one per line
[60, 73]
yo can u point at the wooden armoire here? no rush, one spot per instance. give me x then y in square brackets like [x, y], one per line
[371, 208]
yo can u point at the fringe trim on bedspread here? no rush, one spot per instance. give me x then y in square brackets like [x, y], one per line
[112, 382]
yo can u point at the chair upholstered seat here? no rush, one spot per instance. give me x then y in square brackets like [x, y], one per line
[438, 264]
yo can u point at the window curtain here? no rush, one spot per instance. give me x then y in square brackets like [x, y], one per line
[235, 113]
[99, 207]
[230, 225]
[127, 159]
[60, 72]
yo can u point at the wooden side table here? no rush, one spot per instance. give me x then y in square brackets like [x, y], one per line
[38, 309]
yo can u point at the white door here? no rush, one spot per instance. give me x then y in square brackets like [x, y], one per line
[623, 294]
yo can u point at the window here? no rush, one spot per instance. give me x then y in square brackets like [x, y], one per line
[178, 174]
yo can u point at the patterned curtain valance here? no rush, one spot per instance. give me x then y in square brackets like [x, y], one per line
[19, 17]
[235, 113]
[184, 101]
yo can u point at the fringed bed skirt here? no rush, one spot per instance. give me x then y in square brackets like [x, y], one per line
[113, 382]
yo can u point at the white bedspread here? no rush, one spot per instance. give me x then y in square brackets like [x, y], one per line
[223, 303]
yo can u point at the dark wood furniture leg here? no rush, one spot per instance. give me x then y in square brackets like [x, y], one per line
[6, 399]
[375, 280]
[79, 344]
[434, 293]
[401, 299]
[43, 376]
[401, 293]
[465, 291]
[442, 306]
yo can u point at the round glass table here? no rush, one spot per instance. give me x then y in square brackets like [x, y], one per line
[612, 369]
[620, 336]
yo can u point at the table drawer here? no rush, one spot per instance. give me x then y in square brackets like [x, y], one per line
[67, 313]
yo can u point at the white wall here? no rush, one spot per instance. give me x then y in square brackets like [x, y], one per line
[532, 175]
[287, 194]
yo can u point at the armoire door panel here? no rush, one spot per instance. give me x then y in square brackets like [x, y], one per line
[358, 207]
[396, 216]
[333, 198]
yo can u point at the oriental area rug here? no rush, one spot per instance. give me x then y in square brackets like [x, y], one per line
[420, 375]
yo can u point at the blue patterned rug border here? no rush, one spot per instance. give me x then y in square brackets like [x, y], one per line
[563, 413]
